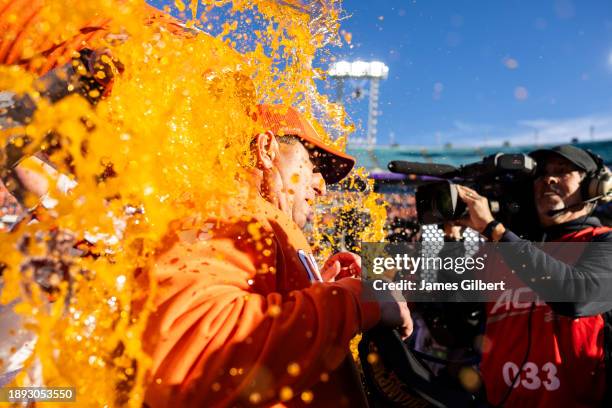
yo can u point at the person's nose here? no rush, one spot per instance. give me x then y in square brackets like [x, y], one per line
[318, 184]
[547, 179]
[550, 179]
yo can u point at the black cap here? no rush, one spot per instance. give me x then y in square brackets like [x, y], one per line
[577, 156]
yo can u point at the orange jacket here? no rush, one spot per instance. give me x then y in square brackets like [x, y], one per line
[238, 323]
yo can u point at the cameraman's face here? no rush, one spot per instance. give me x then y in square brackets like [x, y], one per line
[557, 187]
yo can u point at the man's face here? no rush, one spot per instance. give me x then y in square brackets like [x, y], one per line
[557, 187]
[302, 182]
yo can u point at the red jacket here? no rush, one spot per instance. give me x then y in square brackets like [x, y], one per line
[565, 365]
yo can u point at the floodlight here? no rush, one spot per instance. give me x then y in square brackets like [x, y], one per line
[374, 71]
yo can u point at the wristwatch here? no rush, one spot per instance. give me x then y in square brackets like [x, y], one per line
[489, 229]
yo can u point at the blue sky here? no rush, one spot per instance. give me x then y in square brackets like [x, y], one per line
[470, 71]
[473, 72]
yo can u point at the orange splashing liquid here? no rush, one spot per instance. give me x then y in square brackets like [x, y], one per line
[171, 140]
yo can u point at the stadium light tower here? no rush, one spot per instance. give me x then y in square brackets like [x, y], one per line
[373, 71]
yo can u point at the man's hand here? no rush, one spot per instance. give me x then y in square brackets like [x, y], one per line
[478, 207]
[341, 265]
[394, 310]
[396, 315]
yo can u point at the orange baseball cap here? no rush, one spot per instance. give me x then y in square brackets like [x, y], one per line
[333, 164]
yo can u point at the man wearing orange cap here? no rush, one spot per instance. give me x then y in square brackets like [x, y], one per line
[237, 319]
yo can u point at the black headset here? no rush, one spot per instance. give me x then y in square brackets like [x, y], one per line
[597, 185]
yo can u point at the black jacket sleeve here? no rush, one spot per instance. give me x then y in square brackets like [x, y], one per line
[585, 286]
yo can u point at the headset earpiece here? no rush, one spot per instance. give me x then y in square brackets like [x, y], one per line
[597, 183]
[601, 185]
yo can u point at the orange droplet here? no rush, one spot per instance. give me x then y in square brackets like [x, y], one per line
[293, 369]
[286, 393]
[307, 397]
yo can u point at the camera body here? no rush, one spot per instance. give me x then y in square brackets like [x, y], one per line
[505, 179]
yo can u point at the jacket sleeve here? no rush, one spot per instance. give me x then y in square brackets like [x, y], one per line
[220, 337]
[585, 284]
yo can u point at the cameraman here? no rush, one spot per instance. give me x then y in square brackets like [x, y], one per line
[551, 354]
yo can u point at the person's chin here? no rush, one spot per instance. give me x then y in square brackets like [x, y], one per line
[547, 205]
[300, 219]
[550, 201]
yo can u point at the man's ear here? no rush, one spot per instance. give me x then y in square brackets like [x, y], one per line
[267, 150]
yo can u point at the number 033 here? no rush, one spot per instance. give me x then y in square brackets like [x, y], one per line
[532, 376]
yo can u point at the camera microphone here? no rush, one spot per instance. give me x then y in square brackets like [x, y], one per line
[422, 169]
[552, 213]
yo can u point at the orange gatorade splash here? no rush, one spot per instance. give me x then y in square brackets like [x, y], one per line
[167, 139]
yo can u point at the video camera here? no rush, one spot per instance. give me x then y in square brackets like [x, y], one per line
[505, 179]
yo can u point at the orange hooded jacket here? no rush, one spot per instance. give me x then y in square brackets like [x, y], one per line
[238, 322]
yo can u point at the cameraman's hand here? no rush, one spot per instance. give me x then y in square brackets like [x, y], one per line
[478, 207]
[452, 232]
